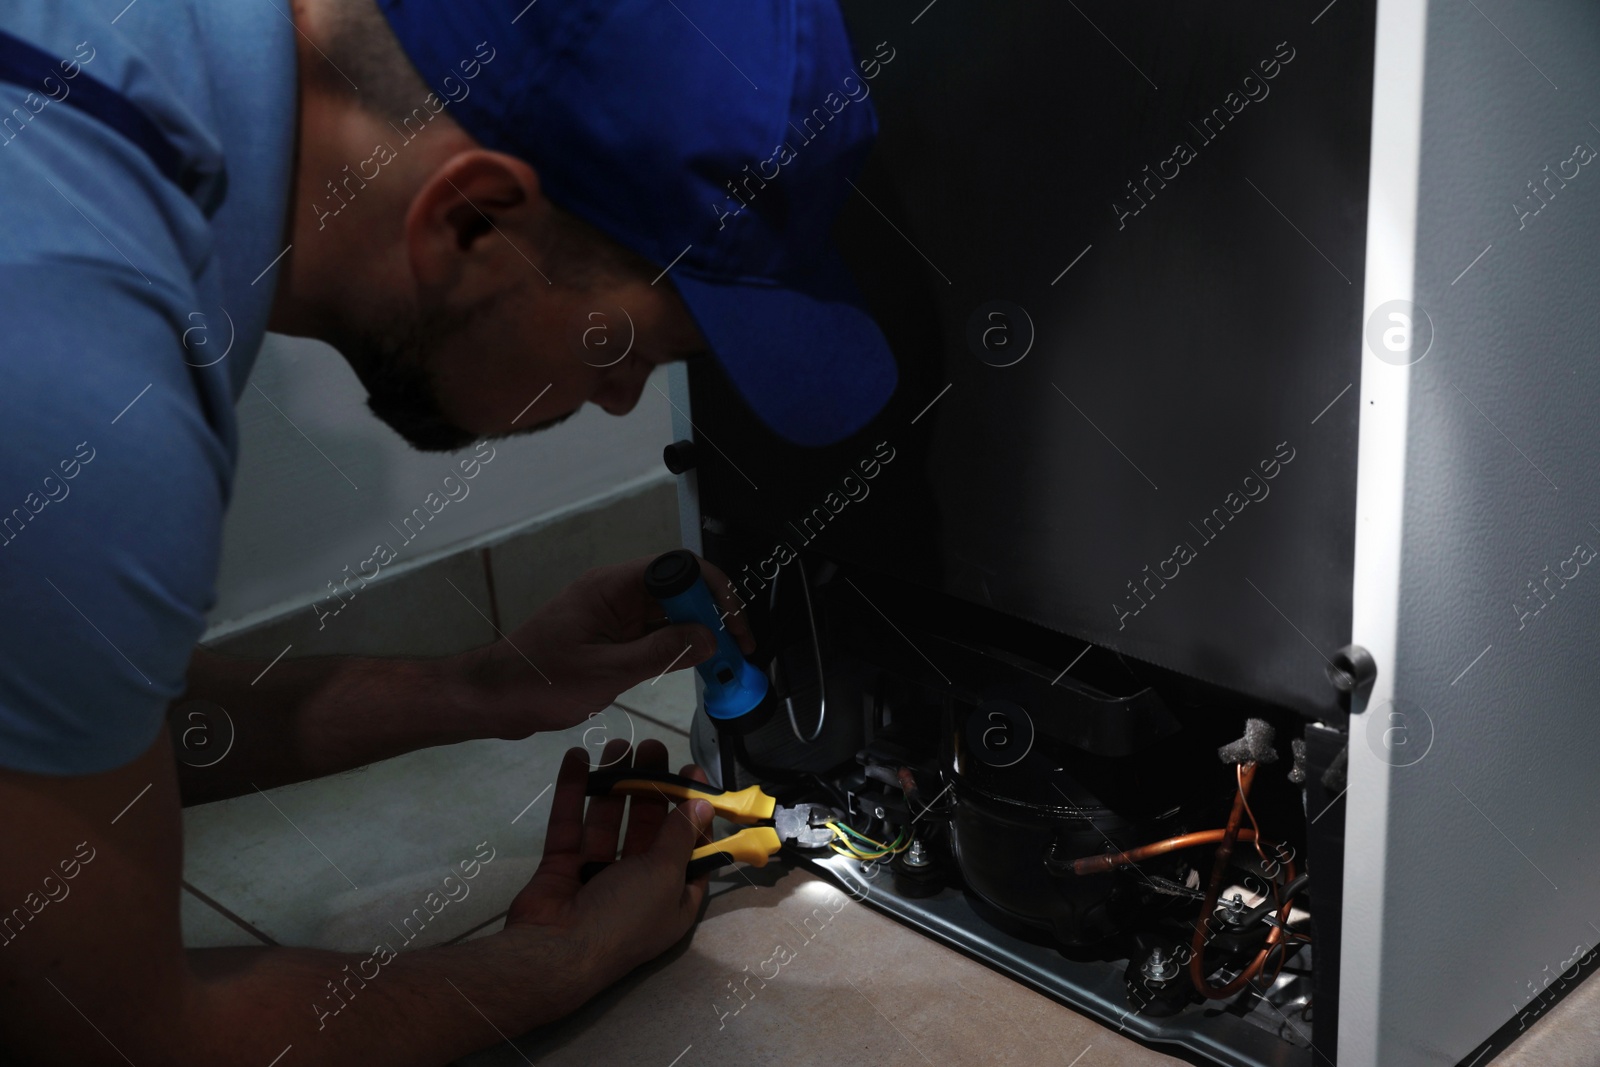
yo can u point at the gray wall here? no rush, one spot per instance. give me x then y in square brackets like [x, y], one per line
[321, 479]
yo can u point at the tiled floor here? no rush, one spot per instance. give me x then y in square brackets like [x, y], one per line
[343, 862]
[859, 988]
[340, 862]
[332, 862]
[856, 989]
[1569, 1036]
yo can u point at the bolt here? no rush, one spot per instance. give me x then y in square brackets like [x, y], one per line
[1159, 967]
[1234, 910]
[877, 812]
[916, 855]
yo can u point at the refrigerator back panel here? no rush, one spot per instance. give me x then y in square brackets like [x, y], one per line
[1117, 250]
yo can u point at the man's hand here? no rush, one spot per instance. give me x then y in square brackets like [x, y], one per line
[633, 910]
[599, 636]
[309, 717]
[93, 971]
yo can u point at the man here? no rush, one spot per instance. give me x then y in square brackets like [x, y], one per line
[447, 192]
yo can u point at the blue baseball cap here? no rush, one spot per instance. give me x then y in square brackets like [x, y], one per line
[716, 138]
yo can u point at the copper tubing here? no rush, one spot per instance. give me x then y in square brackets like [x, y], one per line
[1219, 869]
[1249, 974]
[1225, 839]
[1098, 864]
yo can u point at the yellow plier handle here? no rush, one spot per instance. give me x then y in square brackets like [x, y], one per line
[748, 805]
[753, 845]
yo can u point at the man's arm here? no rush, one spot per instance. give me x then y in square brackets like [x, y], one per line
[92, 969]
[306, 718]
[598, 637]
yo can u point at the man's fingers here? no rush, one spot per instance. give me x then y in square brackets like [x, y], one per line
[681, 832]
[622, 586]
[564, 832]
[691, 770]
[645, 813]
[646, 659]
[733, 608]
[694, 893]
[603, 823]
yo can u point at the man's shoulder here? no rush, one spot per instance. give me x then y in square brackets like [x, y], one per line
[112, 492]
[127, 294]
[160, 143]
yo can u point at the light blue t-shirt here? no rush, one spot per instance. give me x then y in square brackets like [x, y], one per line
[145, 166]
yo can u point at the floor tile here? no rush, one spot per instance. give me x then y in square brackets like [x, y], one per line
[206, 927]
[433, 610]
[861, 988]
[669, 700]
[855, 987]
[1569, 1035]
[342, 862]
[493, 926]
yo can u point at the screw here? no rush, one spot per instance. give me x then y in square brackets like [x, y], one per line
[916, 855]
[1159, 967]
[877, 812]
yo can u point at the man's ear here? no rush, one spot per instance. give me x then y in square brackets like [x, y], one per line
[469, 221]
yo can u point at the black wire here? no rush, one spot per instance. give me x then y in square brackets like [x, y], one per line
[1295, 885]
[790, 776]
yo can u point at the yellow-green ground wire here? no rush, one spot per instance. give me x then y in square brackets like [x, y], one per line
[873, 850]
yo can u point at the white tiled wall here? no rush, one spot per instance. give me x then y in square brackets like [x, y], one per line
[321, 480]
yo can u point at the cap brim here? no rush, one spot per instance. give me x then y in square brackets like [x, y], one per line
[810, 362]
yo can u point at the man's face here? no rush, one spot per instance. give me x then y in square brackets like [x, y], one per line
[525, 361]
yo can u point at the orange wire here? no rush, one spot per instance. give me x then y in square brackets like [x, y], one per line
[1239, 769]
[1225, 838]
[1197, 970]
[1239, 773]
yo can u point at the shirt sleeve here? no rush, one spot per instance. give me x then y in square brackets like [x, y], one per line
[111, 509]
[112, 482]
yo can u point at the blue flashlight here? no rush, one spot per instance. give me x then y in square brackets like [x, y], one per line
[733, 685]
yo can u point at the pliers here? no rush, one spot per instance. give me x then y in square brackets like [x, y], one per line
[768, 824]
